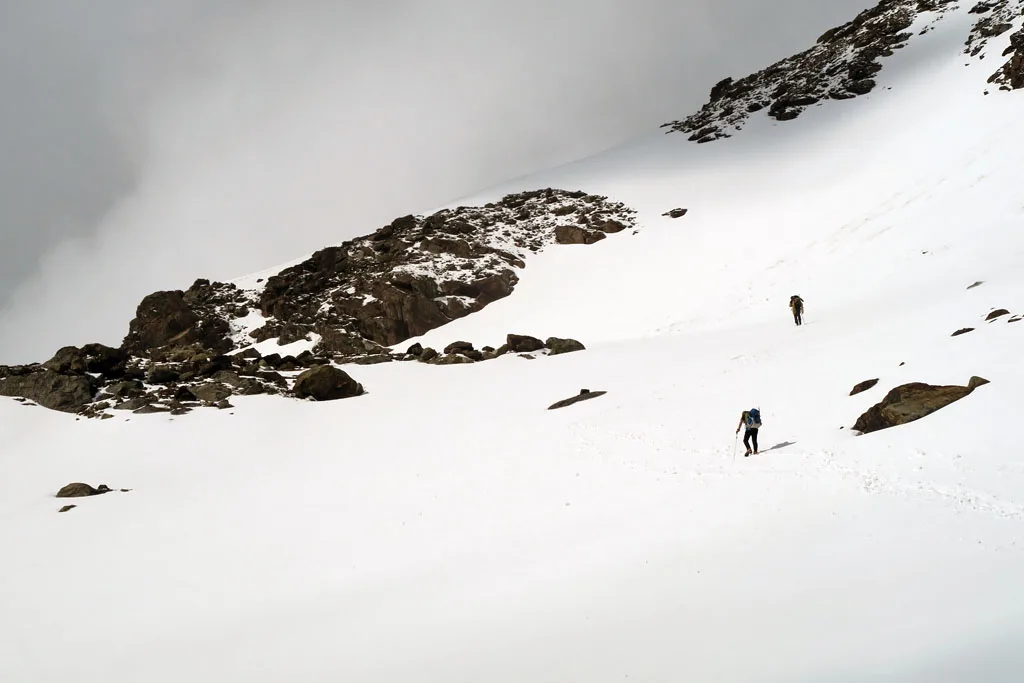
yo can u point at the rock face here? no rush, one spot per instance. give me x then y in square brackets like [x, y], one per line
[911, 402]
[326, 383]
[863, 386]
[584, 395]
[79, 490]
[418, 273]
[844, 63]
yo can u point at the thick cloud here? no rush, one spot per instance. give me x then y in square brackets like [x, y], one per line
[149, 143]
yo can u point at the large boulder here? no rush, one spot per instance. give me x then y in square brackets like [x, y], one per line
[573, 234]
[50, 389]
[522, 343]
[326, 383]
[80, 490]
[911, 402]
[211, 392]
[557, 345]
[68, 360]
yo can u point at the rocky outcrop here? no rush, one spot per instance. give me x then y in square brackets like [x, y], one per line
[1010, 76]
[80, 490]
[344, 304]
[962, 330]
[845, 62]
[998, 313]
[419, 273]
[911, 402]
[326, 383]
[584, 395]
[863, 386]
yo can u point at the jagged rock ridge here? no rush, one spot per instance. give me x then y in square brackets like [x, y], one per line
[349, 302]
[844, 62]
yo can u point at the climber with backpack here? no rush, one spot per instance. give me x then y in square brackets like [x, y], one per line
[751, 419]
[796, 304]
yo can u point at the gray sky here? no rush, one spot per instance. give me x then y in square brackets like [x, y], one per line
[144, 143]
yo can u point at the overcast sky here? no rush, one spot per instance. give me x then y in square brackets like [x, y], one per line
[144, 143]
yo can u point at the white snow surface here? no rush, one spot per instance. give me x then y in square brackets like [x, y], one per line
[446, 527]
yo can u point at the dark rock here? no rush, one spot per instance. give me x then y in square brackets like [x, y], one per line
[584, 395]
[962, 330]
[211, 392]
[126, 389]
[272, 360]
[151, 408]
[67, 507]
[68, 360]
[998, 313]
[80, 490]
[453, 359]
[326, 383]
[134, 403]
[520, 343]
[428, 355]
[105, 360]
[66, 393]
[676, 213]
[911, 402]
[572, 234]
[976, 284]
[250, 353]
[611, 227]
[229, 378]
[459, 347]
[863, 386]
[415, 350]
[558, 346]
[163, 374]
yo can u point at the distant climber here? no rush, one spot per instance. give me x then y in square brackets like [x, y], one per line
[796, 304]
[751, 419]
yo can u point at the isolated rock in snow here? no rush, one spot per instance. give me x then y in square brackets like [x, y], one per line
[998, 313]
[676, 213]
[962, 330]
[80, 490]
[911, 402]
[326, 383]
[584, 395]
[863, 386]
[558, 346]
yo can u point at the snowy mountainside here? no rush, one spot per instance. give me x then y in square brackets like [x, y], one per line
[844, 62]
[447, 526]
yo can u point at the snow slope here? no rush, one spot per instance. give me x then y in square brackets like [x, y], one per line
[446, 527]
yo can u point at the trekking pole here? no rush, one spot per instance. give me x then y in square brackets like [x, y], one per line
[736, 445]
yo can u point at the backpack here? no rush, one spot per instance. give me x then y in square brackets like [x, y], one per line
[753, 418]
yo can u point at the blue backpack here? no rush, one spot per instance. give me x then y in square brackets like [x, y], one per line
[753, 418]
